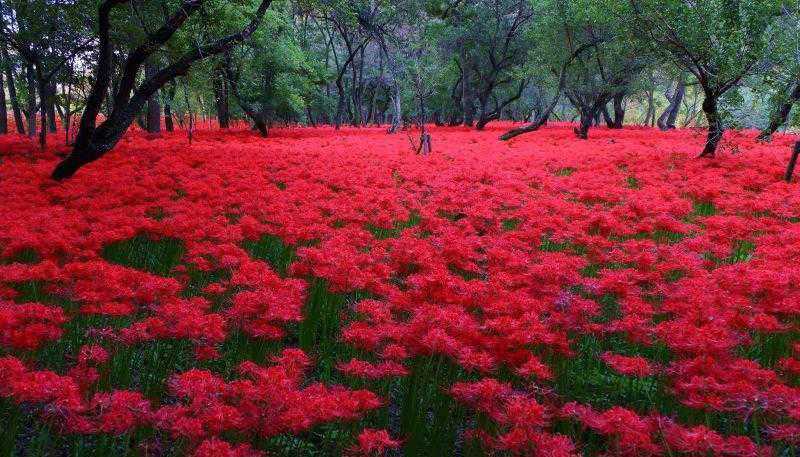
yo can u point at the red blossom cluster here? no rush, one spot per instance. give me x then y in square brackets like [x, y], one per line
[27, 326]
[514, 261]
[266, 402]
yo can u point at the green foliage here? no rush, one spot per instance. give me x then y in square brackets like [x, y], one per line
[719, 41]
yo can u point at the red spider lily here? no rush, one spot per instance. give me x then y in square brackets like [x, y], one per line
[505, 259]
[373, 442]
[27, 326]
[631, 366]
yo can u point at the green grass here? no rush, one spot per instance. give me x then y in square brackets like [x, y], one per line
[272, 250]
[703, 208]
[510, 224]
[27, 256]
[382, 233]
[324, 315]
[429, 418]
[142, 252]
[549, 245]
[587, 379]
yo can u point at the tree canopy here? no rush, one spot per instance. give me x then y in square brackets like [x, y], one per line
[713, 64]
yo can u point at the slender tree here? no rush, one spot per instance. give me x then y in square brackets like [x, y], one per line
[12, 90]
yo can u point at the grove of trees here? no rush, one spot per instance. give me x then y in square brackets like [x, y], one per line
[84, 71]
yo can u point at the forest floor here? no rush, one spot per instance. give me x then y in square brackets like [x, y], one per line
[333, 293]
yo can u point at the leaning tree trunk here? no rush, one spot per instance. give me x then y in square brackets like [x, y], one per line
[12, 91]
[483, 113]
[781, 114]
[545, 115]
[455, 95]
[650, 116]
[792, 162]
[92, 141]
[676, 106]
[484, 120]
[667, 119]
[153, 105]
[256, 115]
[715, 127]
[607, 117]
[467, 93]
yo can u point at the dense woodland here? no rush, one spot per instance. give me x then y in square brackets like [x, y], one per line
[83, 71]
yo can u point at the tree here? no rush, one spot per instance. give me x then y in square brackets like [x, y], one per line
[543, 115]
[46, 38]
[674, 95]
[92, 140]
[270, 76]
[609, 64]
[12, 91]
[783, 77]
[3, 109]
[718, 41]
[490, 39]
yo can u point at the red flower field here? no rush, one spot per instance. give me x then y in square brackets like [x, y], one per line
[333, 293]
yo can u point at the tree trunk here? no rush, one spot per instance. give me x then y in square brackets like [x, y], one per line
[792, 162]
[31, 109]
[397, 108]
[582, 131]
[484, 119]
[93, 142]
[545, 115]
[153, 105]
[12, 92]
[650, 116]
[256, 115]
[437, 118]
[467, 94]
[339, 105]
[168, 124]
[467, 101]
[51, 107]
[667, 119]
[3, 111]
[778, 118]
[619, 111]
[455, 94]
[607, 117]
[533, 126]
[260, 124]
[676, 106]
[169, 98]
[43, 96]
[370, 108]
[425, 146]
[715, 128]
[221, 99]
